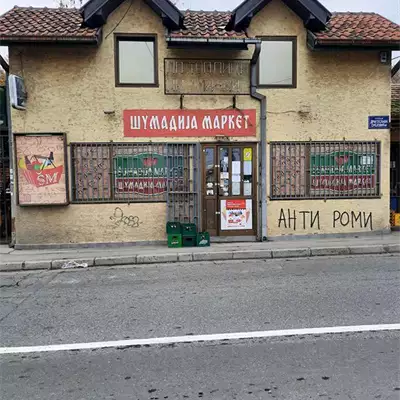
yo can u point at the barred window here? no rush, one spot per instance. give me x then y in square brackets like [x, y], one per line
[309, 170]
[131, 172]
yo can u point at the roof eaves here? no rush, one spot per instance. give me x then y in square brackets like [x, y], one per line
[357, 42]
[318, 13]
[46, 39]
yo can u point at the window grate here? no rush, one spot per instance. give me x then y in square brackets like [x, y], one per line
[322, 170]
[132, 172]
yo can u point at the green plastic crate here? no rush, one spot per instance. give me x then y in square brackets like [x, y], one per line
[189, 241]
[174, 240]
[173, 228]
[189, 230]
[203, 239]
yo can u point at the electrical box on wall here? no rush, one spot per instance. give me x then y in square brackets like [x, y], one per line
[384, 57]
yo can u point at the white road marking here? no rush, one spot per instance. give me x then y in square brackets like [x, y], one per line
[199, 338]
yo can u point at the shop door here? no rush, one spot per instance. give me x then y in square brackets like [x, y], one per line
[5, 194]
[229, 189]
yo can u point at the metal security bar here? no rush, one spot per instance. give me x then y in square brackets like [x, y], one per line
[5, 194]
[137, 172]
[323, 170]
[395, 177]
[183, 183]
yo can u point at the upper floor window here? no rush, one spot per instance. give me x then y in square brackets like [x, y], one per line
[277, 62]
[136, 60]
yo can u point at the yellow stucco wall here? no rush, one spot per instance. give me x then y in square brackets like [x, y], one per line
[339, 90]
[69, 89]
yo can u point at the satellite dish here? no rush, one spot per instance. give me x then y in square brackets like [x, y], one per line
[17, 92]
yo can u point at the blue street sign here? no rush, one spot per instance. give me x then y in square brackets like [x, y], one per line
[378, 122]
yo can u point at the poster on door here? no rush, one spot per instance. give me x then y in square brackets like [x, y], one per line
[236, 215]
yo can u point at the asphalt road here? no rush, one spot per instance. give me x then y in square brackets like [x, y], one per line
[53, 307]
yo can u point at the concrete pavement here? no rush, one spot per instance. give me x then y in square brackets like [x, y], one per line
[113, 303]
[336, 367]
[69, 306]
[14, 260]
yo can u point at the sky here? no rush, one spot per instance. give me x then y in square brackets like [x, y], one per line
[388, 8]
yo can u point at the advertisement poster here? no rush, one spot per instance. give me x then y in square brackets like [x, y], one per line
[41, 169]
[343, 172]
[236, 214]
[146, 173]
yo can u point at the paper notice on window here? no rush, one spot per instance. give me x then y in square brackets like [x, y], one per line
[236, 167]
[248, 154]
[247, 168]
[247, 188]
[235, 188]
[236, 178]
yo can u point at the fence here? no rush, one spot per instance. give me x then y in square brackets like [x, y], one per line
[309, 170]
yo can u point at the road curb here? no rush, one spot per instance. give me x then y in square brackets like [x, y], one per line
[143, 259]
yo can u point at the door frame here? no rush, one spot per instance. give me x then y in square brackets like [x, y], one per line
[218, 197]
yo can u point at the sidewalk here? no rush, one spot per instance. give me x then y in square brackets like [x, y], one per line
[15, 260]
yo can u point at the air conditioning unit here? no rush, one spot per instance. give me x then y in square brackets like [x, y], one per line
[17, 90]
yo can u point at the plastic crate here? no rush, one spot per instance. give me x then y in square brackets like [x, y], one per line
[189, 241]
[189, 230]
[173, 228]
[174, 240]
[203, 239]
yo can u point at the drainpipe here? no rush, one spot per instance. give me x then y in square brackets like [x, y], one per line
[263, 133]
[6, 68]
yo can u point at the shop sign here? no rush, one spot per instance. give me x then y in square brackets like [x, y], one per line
[378, 122]
[146, 173]
[236, 214]
[189, 123]
[343, 171]
[196, 76]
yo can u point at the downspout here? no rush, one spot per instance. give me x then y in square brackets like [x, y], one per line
[6, 68]
[263, 133]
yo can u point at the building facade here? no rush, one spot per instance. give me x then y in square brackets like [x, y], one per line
[263, 122]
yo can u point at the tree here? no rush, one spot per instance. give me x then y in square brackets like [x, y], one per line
[69, 3]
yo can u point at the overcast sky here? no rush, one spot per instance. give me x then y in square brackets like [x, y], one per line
[388, 8]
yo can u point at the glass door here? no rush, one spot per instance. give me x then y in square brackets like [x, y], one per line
[229, 196]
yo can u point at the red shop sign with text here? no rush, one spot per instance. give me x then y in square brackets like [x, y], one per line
[181, 123]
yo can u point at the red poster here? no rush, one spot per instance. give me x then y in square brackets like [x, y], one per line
[181, 123]
[235, 204]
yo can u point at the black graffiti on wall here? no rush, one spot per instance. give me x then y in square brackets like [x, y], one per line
[119, 219]
[355, 220]
[293, 219]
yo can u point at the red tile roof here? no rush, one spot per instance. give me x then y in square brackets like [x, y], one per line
[362, 28]
[206, 24]
[43, 24]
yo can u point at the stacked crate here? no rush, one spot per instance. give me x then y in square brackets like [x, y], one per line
[174, 234]
[186, 235]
